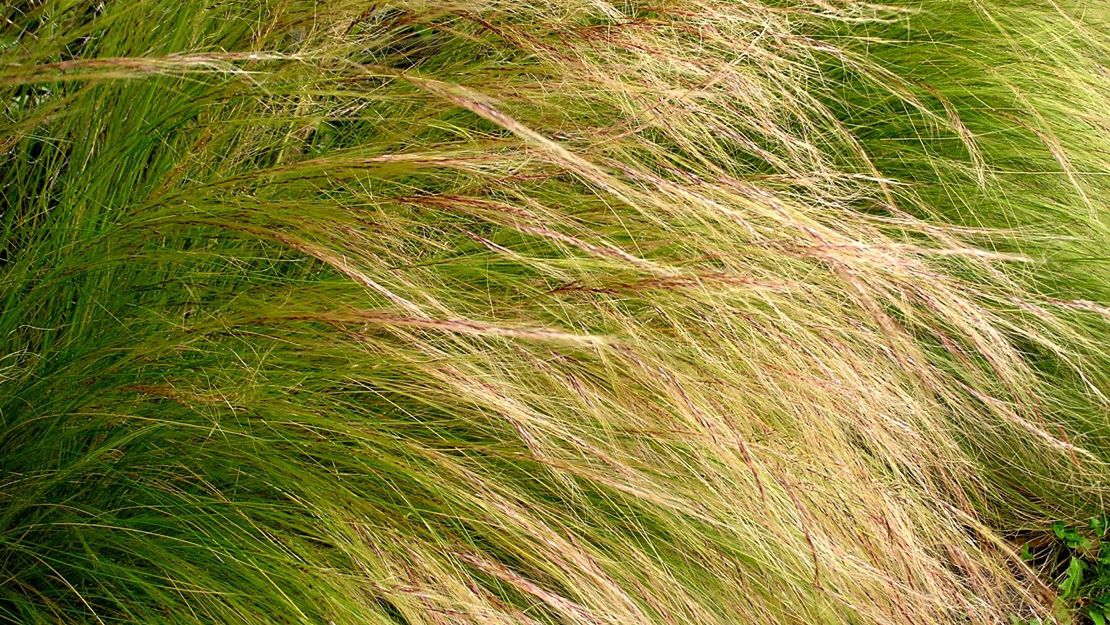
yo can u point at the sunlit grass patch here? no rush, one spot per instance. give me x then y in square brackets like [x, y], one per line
[548, 312]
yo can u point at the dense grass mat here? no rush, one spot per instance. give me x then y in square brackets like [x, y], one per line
[550, 311]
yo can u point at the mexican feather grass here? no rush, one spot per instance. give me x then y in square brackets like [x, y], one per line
[548, 311]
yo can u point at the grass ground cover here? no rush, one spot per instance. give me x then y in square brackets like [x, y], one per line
[556, 311]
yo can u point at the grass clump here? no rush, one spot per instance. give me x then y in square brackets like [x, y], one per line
[548, 312]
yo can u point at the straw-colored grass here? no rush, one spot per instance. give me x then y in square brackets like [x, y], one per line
[548, 311]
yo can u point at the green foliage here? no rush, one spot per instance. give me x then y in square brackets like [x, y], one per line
[1078, 563]
[553, 312]
[1086, 582]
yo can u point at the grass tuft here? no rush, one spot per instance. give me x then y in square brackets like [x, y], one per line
[561, 311]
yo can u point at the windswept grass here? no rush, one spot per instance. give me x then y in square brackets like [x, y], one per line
[549, 311]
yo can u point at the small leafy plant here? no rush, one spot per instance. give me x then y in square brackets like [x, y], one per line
[1086, 581]
[1078, 560]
